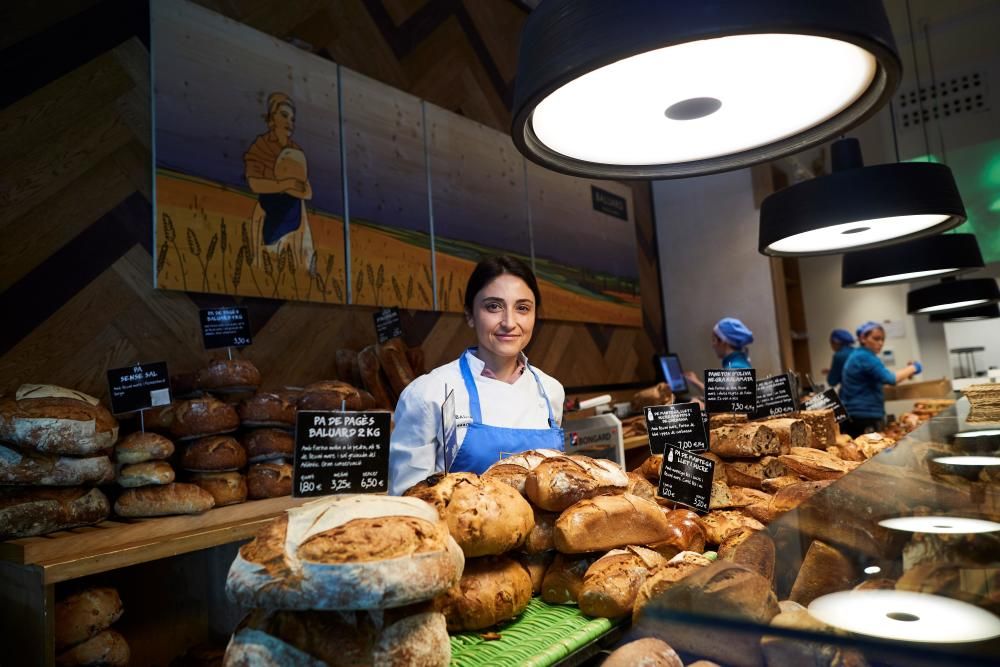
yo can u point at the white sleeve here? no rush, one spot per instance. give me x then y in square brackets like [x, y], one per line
[414, 453]
[557, 398]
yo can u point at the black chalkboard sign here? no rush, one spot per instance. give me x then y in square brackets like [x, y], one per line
[775, 397]
[340, 452]
[138, 387]
[679, 425]
[825, 401]
[731, 390]
[686, 478]
[225, 327]
[387, 324]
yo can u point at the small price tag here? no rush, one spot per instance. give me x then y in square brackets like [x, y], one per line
[679, 425]
[686, 478]
[825, 401]
[775, 397]
[731, 390]
[138, 387]
[449, 430]
[225, 327]
[387, 324]
[340, 452]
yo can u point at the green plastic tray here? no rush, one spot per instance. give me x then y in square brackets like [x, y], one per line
[543, 635]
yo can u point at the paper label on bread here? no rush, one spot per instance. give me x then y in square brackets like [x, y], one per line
[26, 391]
[291, 582]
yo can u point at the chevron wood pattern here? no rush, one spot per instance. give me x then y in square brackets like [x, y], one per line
[75, 187]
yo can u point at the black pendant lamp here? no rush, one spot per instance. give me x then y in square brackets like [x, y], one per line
[942, 255]
[858, 207]
[951, 294]
[990, 312]
[666, 88]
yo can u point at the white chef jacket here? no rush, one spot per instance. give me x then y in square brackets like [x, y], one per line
[416, 450]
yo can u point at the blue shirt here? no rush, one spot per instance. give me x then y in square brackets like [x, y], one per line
[861, 384]
[736, 359]
[837, 365]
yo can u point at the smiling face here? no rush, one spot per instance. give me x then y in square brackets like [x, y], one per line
[503, 315]
[874, 340]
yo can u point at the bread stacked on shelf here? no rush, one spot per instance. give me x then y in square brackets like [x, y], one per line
[346, 580]
[268, 420]
[83, 632]
[384, 370]
[148, 478]
[54, 446]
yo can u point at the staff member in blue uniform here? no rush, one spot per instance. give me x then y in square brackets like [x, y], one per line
[502, 404]
[730, 338]
[842, 344]
[862, 380]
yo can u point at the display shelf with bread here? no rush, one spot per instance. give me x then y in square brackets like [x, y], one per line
[893, 560]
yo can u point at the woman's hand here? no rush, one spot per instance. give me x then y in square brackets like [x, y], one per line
[695, 380]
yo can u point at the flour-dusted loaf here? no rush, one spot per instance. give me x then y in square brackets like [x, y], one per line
[23, 466]
[348, 552]
[816, 464]
[720, 523]
[676, 569]
[559, 481]
[329, 395]
[744, 440]
[610, 522]
[492, 589]
[200, 417]
[612, 583]
[542, 537]
[107, 648]
[175, 498]
[85, 614]
[268, 408]
[144, 474]
[272, 479]
[646, 652]
[564, 577]
[514, 470]
[38, 510]
[266, 444]
[486, 517]
[409, 637]
[56, 420]
[141, 446]
[215, 453]
[228, 375]
[226, 488]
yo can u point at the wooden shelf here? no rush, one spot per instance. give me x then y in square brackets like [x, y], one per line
[122, 542]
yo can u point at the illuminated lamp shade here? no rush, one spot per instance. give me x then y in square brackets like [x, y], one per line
[989, 312]
[943, 255]
[857, 207]
[952, 295]
[666, 89]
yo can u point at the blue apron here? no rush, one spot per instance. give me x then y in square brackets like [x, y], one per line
[483, 444]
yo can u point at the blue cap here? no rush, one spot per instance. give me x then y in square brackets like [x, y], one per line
[841, 336]
[867, 327]
[734, 332]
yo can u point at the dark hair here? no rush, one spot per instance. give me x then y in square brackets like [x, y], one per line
[491, 268]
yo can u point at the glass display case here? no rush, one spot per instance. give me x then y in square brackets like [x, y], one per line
[896, 563]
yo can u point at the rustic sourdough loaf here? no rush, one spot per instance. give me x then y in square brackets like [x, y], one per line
[226, 488]
[559, 481]
[492, 589]
[175, 498]
[23, 466]
[38, 510]
[612, 583]
[141, 446]
[564, 577]
[272, 479]
[145, 474]
[609, 522]
[513, 470]
[200, 417]
[85, 614]
[56, 420]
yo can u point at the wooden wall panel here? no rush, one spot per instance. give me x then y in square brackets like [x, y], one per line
[75, 182]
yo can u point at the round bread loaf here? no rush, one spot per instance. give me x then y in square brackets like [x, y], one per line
[227, 488]
[685, 534]
[160, 418]
[492, 589]
[647, 652]
[676, 569]
[329, 395]
[163, 500]
[108, 648]
[610, 522]
[612, 583]
[56, 420]
[216, 453]
[85, 614]
[224, 375]
[28, 467]
[269, 409]
[484, 516]
[138, 447]
[37, 510]
[559, 481]
[564, 578]
[514, 470]
[199, 417]
[348, 552]
[541, 538]
[265, 444]
[269, 480]
[418, 638]
[185, 386]
[146, 473]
